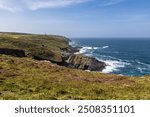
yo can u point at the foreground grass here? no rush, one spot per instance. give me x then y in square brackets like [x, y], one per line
[25, 78]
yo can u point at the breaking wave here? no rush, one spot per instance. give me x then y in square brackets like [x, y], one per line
[87, 49]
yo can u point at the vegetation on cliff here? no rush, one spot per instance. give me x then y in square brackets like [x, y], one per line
[44, 47]
[26, 78]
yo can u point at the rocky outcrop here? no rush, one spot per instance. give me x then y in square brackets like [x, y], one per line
[79, 61]
[85, 63]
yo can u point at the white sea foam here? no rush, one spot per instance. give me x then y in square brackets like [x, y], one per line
[139, 62]
[83, 50]
[113, 65]
[140, 69]
[89, 48]
[105, 47]
[86, 49]
[73, 44]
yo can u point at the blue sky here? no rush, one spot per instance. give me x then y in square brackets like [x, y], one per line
[77, 18]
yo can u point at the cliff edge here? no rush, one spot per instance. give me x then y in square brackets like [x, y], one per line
[47, 47]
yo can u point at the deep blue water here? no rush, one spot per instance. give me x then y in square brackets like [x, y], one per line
[124, 56]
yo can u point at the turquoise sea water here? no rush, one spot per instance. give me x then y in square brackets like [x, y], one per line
[124, 56]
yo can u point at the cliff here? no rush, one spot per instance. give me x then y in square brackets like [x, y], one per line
[46, 47]
[41, 47]
[85, 63]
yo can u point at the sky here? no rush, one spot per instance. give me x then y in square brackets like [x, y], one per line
[77, 18]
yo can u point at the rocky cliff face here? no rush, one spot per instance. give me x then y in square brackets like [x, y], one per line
[79, 61]
[85, 63]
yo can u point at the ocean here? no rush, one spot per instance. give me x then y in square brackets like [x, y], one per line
[130, 57]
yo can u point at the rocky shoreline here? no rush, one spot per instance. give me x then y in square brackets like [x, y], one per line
[80, 61]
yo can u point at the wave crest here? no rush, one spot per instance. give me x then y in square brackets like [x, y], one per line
[86, 49]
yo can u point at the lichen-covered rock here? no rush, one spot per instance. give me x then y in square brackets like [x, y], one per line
[85, 63]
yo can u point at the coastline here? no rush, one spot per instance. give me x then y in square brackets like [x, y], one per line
[80, 61]
[79, 51]
[110, 65]
[52, 48]
[120, 60]
[31, 78]
[59, 50]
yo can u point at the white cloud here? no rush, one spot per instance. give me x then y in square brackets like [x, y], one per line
[3, 7]
[111, 2]
[10, 5]
[19, 5]
[51, 3]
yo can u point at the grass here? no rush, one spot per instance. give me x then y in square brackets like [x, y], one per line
[34, 44]
[25, 78]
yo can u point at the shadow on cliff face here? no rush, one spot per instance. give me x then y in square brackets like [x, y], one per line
[12, 52]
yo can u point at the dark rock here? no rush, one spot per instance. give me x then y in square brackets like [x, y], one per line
[85, 63]
[13, 52]
[79, 61]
